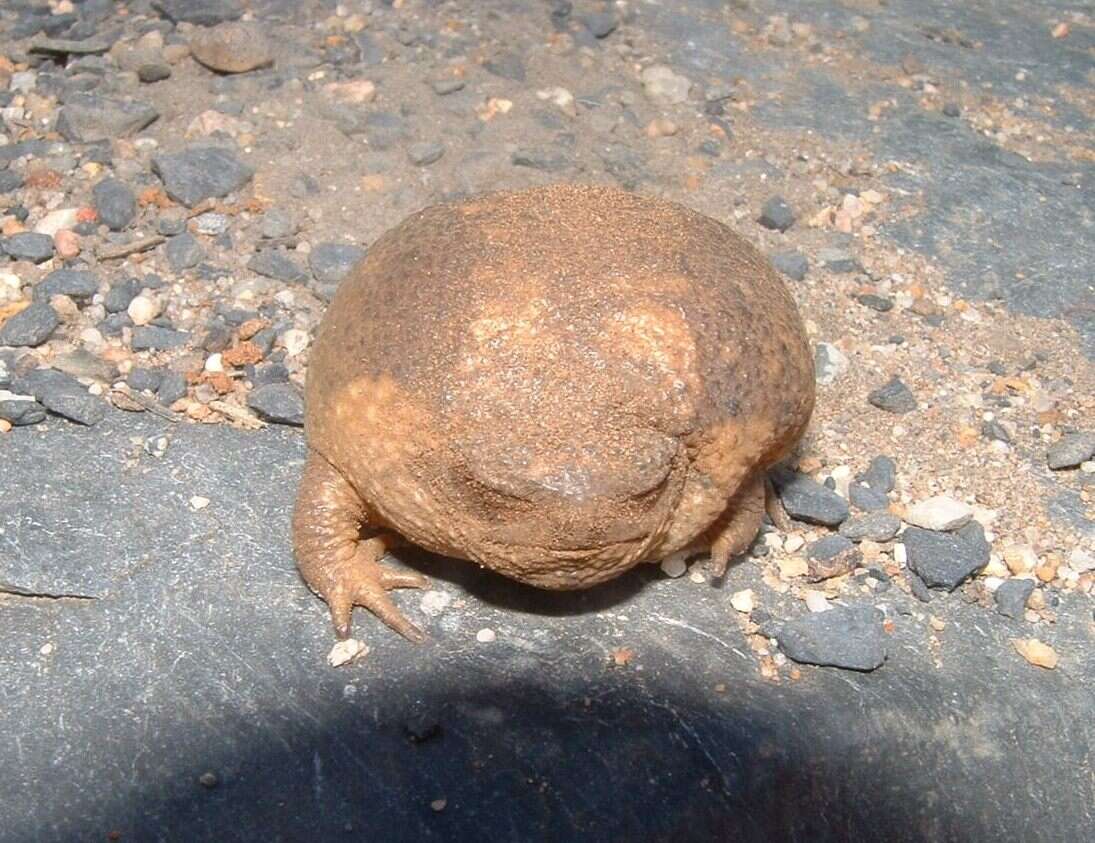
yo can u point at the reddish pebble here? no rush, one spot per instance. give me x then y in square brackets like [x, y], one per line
[86, 215]
[67, 243]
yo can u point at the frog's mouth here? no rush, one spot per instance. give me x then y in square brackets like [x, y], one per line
[580, 515]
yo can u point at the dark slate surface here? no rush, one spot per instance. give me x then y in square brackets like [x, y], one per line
[203, 653]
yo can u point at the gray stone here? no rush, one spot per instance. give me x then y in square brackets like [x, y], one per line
[119, 296]
[829, 363]
[21, 411]
[946, 560]
[424, 153]
[81, 363]
[330, 262]
[893, 397]
[838, 260]
[828, 547]
[30, 327]
[880, 475]
[849, 637]
[278, 223]
[62, 395]
[9, 181]
[29, 246]
[274, 263]
[866, 498]
[807, 500]
[171, 224]
[279, 403]
[184, 251]
[1071, 450]
[601, 24]
[547, 159]
[153, 71]
[447, 85]
[872, 526]
[777, 214]
[149, 337]
[201, 172]
[70, 47]
[918, 588]
[508, 66]
[78, 284]
[875, 302]
[793, 264]
[199, 12]
[172, 387]
[995, 432]
[115, 203]
[86, 118]
[1011, 597]
[142, 378]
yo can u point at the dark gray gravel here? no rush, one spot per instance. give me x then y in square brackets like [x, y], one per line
[866, 498]
[274, 263]
[62, 395]
[21, 411]
[330, 262]
[423, 153]
[201, 172]
[849, 637]
[9, 181]
[1071, 450]
[777, 214]
[86, 118]
[1011, 597]
[77, 284]
[148, 337]
[120, 294]
[875, 526]
[29, 246]
[880, 475]
[893, 397]
[172, 387]
[793, 264]
[199, 12]
[946, 560]
[142, 378]
[115, 203]
[838, 260]
[184, 251]
[32, 327]
[279, 403]
[807, 500]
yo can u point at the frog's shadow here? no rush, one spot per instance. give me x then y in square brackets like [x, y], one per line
[504, 593]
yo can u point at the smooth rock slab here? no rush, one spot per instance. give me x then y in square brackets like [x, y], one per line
[201, 172]
[946, 560]
[847, 637]
[86, 118]
[31, 327]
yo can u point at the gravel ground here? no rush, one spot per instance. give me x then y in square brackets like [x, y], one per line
[184, 184]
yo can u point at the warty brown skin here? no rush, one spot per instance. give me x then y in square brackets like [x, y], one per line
[557, 384]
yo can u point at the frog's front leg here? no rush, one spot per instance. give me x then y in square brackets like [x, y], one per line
[739, 524]
[335, 561]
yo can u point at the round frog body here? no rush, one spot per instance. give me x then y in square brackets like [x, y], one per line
[556, 384]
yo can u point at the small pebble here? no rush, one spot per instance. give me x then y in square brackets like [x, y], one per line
[675, 565]
[1037, 652]
[485, 635]
[893, 397]
[939, 513]
[346, 651]
[742, 601]
[197, 503]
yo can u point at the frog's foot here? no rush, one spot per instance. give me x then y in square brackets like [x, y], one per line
[363, 581]
[738, 526]
[339, 565]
